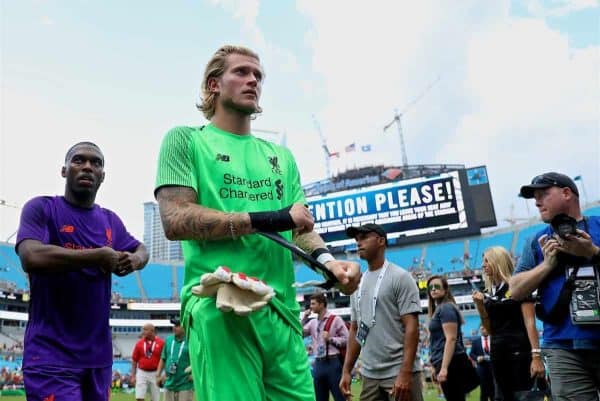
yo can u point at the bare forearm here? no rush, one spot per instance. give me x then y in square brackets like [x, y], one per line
[449, 347]
[309, 241]
[38, 257]
[411, 342]
[352, 350]
[142, 253]
[524, 283]
[183, 218]
[161, 365]
[485, 319]
[528, 311]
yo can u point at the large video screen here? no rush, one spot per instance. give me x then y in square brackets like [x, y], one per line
[414, 210]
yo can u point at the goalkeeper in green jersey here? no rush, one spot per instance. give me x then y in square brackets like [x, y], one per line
[217, 186]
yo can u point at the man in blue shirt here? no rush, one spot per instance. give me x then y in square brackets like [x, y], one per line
[572, 350]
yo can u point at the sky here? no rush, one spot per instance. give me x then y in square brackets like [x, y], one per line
[513, 85]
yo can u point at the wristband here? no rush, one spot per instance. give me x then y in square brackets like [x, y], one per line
[322, 255]
[279, 220]
[536, 351]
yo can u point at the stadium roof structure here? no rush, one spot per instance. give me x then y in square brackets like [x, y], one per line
[373, 175]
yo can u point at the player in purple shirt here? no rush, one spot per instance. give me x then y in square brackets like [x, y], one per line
[69, 246]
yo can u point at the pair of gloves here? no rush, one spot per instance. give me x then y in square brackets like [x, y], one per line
[234, 291]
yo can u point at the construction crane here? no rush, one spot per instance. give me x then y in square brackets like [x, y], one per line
[398, 119]
[328, 154]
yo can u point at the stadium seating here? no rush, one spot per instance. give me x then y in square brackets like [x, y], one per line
[440, 257]
[157, 280]
[10, 267]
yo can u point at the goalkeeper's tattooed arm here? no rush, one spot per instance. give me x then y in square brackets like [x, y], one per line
[309, 242]
[183, 218]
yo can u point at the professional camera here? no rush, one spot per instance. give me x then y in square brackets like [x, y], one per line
[563, 225]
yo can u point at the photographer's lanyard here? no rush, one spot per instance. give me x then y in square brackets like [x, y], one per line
[180, 350]
[151, 349]
[375, 293]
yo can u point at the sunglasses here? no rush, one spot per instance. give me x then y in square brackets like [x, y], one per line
[435, 287]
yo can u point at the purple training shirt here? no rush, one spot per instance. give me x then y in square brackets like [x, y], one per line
[69, 311]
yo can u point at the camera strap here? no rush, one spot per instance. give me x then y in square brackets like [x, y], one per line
[561, 308]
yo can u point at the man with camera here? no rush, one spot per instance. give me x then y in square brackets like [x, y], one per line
[562, 263]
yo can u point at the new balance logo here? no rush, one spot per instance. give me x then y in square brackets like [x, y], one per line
[223, 158]
[67, 229]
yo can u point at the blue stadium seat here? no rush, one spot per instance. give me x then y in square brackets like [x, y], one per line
[126, 286]
[10, 267]
[157, 280]
[445, 257]
[407, 258]
[478, 245]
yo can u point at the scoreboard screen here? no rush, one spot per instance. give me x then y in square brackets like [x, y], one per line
[412, 210]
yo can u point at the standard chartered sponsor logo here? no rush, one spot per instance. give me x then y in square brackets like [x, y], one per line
[243, 188]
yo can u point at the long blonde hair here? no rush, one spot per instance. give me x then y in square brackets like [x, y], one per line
[214, 69]
[447, 298]
[500, 263]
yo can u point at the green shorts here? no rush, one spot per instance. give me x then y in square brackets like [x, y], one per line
[258, 357]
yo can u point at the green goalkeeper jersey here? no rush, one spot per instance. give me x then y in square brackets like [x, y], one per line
[235, 173]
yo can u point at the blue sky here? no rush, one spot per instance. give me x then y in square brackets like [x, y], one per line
[518, 86]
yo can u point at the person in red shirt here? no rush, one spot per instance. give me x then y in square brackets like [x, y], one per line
[144, 363]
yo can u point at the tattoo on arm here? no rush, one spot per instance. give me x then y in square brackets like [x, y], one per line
[183, 218]
[309, 241]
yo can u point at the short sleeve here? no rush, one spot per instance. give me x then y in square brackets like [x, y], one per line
[122, 240]
[353, 308]
[407, 295]
[34, 221]
[296, 193]
[163, 353]
[527, 259]
[135, 355]
[175, 160]
[448, 313]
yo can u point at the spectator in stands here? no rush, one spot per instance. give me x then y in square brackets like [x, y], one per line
[175, 359]
[217, 186]
[451, 365]
[68, 246]
[144, 363]
[384, 326]
[329, 334]
[480, 355]
[515, 348]
[572, 350]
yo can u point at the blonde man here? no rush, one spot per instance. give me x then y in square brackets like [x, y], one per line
[216, 187]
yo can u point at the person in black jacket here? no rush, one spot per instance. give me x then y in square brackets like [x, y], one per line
[480, 355]
[515, 350]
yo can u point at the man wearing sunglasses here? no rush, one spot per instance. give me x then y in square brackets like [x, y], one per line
[384, 326]
[572, 349]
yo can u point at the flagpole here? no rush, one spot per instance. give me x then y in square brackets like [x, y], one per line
[580, 178]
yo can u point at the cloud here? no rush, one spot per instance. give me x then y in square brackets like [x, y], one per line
[512, 95]
[557, 8]
[246, 12]
[45, 20]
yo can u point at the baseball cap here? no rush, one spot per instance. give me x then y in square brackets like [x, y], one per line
[176, 321]
[548, 180]
[367, 228]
